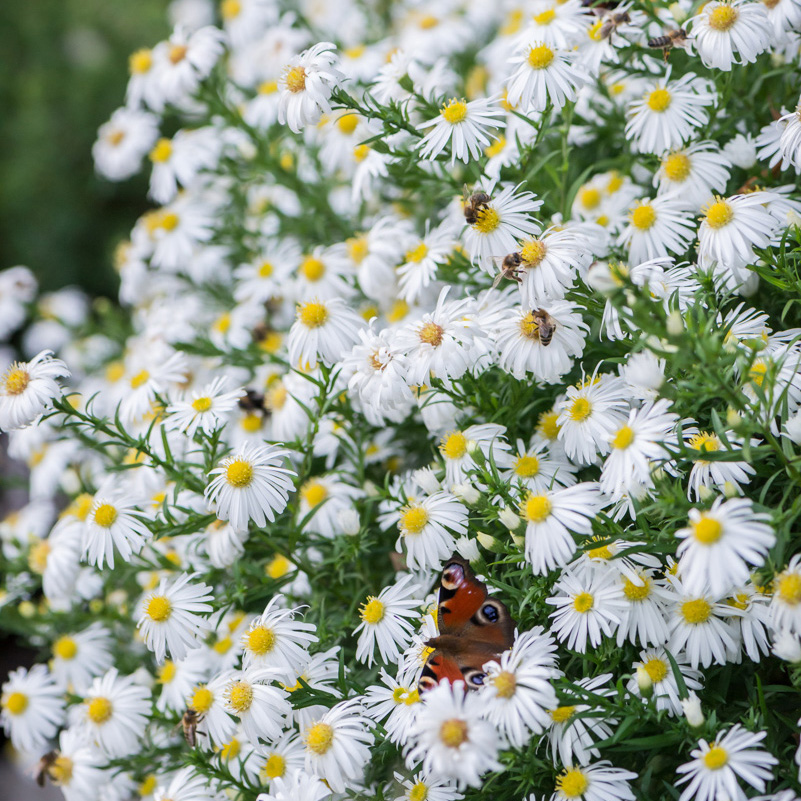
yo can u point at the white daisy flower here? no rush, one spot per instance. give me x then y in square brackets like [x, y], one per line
[395, 702]
[281, 759]
[306, 85]
[588, 605]
[114, 523]
[464, 125]
[296, 786]
[525, 347]
[265, 276]
[149, 372]
[275, 639]
[323, 501]
[31, 707]
[657, 227]
[599, 782]
[538, 469]
[422, 261]
[186, 785]
[250, 485]
[716, 474]
[698, 627]
[693, 174]
[754, 625]
[665, 688]
[174, 616]
[421, 787]
[517, 689]
[260, 706]
[451, 738]
[338, 745]
[790, 140]
[730, 27]
[668, 113]
[208, 409]
[27, 389]
[123, 141]
[178, 679]
[720, 544]
[544, 74]
[178, 161]
[114, 713]
[499, 223]
[79, 658]
[645, 600]
[324, 331]
[428, 529]
[385, 621]
[552, 517]
[714, 769]
[484, 440]
[785, 606]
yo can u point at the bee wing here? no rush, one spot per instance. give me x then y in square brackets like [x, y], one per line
[497, 280]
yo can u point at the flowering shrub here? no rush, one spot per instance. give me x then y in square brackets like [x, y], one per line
[511, 285]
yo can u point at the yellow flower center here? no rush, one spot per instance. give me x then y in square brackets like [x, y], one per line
[239, 473]
[61, 771]
[161, 152]
[455, 111]
[790, 588]
[265, 269]
[201, 404]
[453, 732]
[454, 445]
[177, 53]
[313, 314]
[358, 248]
[267, 87]
[431, 334]
[260, 640]
[240, 696]
[635, 593]
[37, 557]
[643, 217]
[142, 377]
[166, 672]
[105, 515]
[278, 567]
[347, 123]
[140, 62]
[527, 466]
[505, 684]
[416, 255]
[595, 31]
[158, 608]
[99, 710]
[16, 380]
[659, 100]
[722, 18]
[251, 422]
[545, 17]
[360, 152]
[562, 714]
[487, 220]
[572, 783]
[65, 648]
[373, 611]
[705, 442]
[537, 508]
[229, 751]
[757, 373]
[623, 438]
[296, 79]
[533, 252]
[314, 493]
[496, 148]
[230, 9]
[580, 409]
[428, 21]
[656, 669]
[716, 757]
[589, 198]
[313, 269]
[718, 214]
[419, 792]
[413, 520]
[540, 57]
[201, 700]
[583, 602]
[15, 703]
[547, 425]
[677, 167]
[697, 611]
[707, 530]
[319, 738]
[529, 327]
[601, 552]
[274, 767]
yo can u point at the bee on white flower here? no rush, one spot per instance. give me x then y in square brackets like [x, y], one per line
[209, 701]
[306, 85]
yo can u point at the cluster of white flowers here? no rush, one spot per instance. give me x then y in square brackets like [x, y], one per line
[340, 366]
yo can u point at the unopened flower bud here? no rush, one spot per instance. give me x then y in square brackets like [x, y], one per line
[705, 494]
[692, 711]
[466, 492]
[675, 323]
[370, 489]
[645, 683]
[677, 12]
[488, 541]
[349, 521]
[26, 609]
[730, 490]
[467, 548]
[508, 517]
[519, 540]
[777, 60]
[733, 418]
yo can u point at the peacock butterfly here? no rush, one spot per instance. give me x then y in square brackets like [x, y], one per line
[473, 629]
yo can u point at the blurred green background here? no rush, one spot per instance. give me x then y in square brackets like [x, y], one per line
[64, 70]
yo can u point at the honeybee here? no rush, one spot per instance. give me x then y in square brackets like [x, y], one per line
[510, 268]
[252, 401]
[189, 723]
[546, 325]
[672, 38]
[45, 763]
[612, 21]
[473, 204]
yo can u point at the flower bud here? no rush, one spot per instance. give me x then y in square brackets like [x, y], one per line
[705, 494]
[26, 609]
[733, 418]
[692, 711]
[467, 548]
[488, 541]
[645, 683]
[677, 12]
[730, 490]
[349, 521]
[675, 323]
[370, 489]
[466, 493]
[509, 518]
